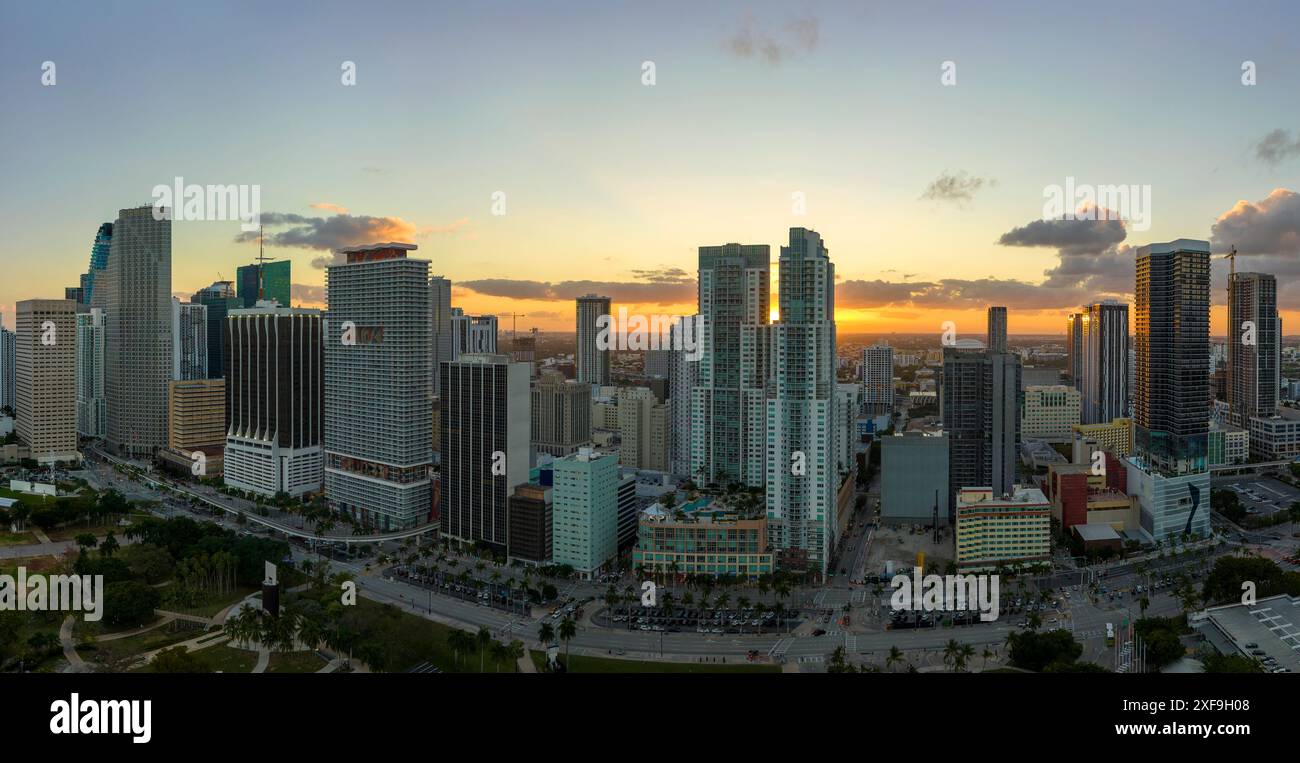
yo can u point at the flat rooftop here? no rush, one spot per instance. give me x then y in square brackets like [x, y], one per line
[1270, 623]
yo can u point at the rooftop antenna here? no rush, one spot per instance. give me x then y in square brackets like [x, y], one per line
[261, 258]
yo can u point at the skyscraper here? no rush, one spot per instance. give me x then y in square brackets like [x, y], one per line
[728, 404]
[592, 361]
[8, 370]
[801, 478]
[46, 379]
[440, 324]
[1074, 349]
[92, 413]
[472, 333]
[98, 262]
[274, 392]
[1103, 378]
[485, 445]
[1253, 338]
[1167, 471]
[190, 341]
[997, 329]
[138, 332]
[1171, 416]
[561, 414]
[979, 398]
[379, 387]
[585, 511]
[270, 280]
[683, 375]
[642, 429]
[219, 299]
[878, 378]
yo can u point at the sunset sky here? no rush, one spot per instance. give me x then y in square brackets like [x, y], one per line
[929, 197]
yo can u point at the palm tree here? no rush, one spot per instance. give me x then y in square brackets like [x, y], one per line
[484, 639]
[964, 656]
[951, 653]
[459, 641]
[545, 634]
[986, 655]
[894, 658]
[568, 629]
[515, 652]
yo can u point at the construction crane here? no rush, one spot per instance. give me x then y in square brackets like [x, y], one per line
[514, 323]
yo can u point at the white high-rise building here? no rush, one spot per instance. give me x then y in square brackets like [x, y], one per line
[472, 333]
[585, 511]
[47, 378]
[592, 361]
[878, 378]
[801, 421]
[728, 414]
[137, 287]
[190, 341]
[379, 387]
[92, 413]
[683, 375]
[486, 426]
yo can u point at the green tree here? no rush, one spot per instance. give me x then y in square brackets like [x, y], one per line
[568, 629]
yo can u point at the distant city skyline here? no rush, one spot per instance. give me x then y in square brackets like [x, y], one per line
[934, 195]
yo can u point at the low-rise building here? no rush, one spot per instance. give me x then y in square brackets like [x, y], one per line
[701, 543]
[1115, 436]
[914, 478]
[530, 513]
[1227, 445]
[1002, 531]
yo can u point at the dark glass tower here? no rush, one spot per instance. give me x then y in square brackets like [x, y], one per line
[1171, 416]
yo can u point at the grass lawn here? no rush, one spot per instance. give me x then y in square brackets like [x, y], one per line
[212, 606]
[71, 531]
[583, 664]
[217, 659]
[294, 662]
[27, 498]
[108, 652]
[16, 539]
[42, 564]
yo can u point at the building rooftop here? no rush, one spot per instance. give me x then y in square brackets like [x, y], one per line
[1096, 532]
[1269, 624]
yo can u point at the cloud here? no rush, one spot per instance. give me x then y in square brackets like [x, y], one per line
[1269, 226]
[307, 293]
[328, 207]
[451, 227]
[800, 36]
[654, 288]
[1276, 147]
[959, 187]
[1070, 235]
[329, 233]
[957, 294]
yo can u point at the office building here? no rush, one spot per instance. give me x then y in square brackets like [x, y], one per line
[137, 285]
[1074, 349]
[196, 421]
[801, 479]
[275, 392]
[45, 378]
[1276, 437]
[190, 341]
[728, 399]
[1049, 413]
[442, 340]
[92, 414]
[980, 404]
[1253, 353]
[530, 517]
[561, 414]
[996, 338]
[585, 511]
[914, 479]
[99, 251]
[1103, 381]
[8, 367]
[1082, 495]
[263, 281]
[1227, 445]
[485, 445]
[591, 355]
[379, 387]
[1011, 529]
[642, 429]
[472, 333]
[1115, 437]
[878, 379]
[219, 299]
[1167, 471]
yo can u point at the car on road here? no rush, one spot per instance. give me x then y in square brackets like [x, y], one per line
[819, 632]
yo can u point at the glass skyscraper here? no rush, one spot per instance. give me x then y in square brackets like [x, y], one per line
[271, 278]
